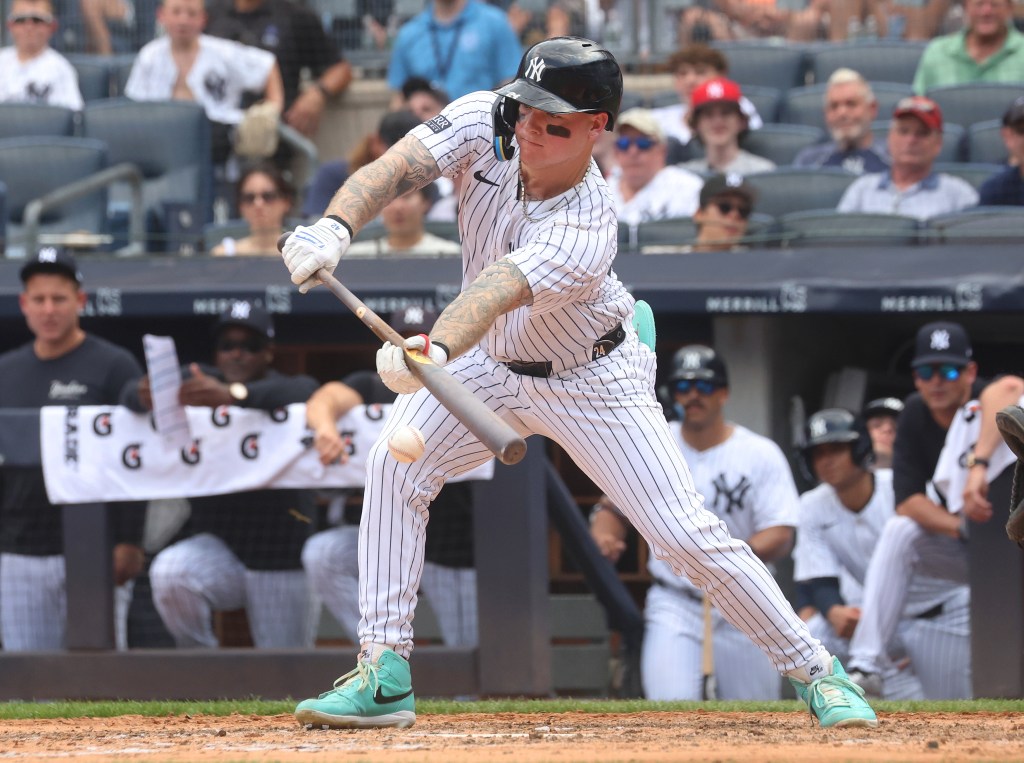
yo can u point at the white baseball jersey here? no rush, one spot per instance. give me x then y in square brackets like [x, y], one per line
[48, 78]
[673, 192]
[222, 72]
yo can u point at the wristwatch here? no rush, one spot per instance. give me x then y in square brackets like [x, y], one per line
[238, 391]
[973, 460]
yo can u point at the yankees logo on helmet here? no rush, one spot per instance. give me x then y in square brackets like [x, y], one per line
[535, 69]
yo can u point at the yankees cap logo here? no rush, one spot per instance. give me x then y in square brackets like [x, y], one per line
[939, 339]
[819, 427]
[241, 310]
[535, 69]
[715, 90]
[691, 360]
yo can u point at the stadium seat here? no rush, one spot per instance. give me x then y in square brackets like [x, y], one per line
[819, 227]
[985, 142]
[214, 233]
[169, 141]
[660, 98]
[763, 64]
[443, 229]
[983, 224]
[635, 100]
[788, 190]
[952, 140]
[3, 218]
[31, 119]
[973, 173]
[974, 102]
[806, 105]
[94, 75]
[33, 167]
[781, 142]
[882, 60]
[673, 231]
[120, 70]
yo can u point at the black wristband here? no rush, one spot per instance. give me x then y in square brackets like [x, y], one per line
[443, 346]
[342, 223]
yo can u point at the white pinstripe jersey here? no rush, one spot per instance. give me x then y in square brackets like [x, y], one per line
[746, 482]
[831, 539]
[566, 255]
[47, 78]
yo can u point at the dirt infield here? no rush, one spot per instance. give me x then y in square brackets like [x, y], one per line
[563, 737]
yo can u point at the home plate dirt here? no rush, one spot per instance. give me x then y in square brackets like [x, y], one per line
[561, 738]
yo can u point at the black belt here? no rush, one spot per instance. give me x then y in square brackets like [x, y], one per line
[542, 368]
[930, 614]
[689, 593]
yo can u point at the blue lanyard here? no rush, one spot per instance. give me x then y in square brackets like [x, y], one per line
[444, 66]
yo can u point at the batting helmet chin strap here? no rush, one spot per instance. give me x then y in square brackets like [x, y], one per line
[504, 114]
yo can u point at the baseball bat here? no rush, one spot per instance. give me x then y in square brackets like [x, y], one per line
[496, 435]
[709, 684]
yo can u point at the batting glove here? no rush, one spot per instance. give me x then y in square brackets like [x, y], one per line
[312, 248]
[392, 367]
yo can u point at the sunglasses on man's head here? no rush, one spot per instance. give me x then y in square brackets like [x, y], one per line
[725, 207]
[267, 197]
[252, 345]
[31, 18]
[641, 142]
[703, 386]
[946, 371]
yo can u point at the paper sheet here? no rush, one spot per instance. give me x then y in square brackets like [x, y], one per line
[164, 382]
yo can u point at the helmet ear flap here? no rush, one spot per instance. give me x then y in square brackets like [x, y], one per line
[504, 114]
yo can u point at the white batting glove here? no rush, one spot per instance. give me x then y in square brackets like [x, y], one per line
[392, 368]
[311, 248]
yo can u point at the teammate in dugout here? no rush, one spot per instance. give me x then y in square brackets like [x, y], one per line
[841, 521]
[542, 332]
[748, 485]
[63, 365]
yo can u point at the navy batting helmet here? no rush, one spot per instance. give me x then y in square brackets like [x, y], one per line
[562, 75]
[835, 425]
[698, 361]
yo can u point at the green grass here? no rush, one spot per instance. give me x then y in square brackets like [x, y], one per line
[29, 710]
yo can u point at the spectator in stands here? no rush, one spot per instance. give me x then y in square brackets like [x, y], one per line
[850, 108]
[265, 198]
[33, 72]
[643, 188]
[726, 203]
[691, 66]
[718, 121]
[242, 549]
[329, 557]
[911, 186]
[100, 17]
[62, 365]
[988, 49]
[423, 99]
[458, 45]
[330, 176]
[880, 417]
[189, 65]
[405, 234]
[1006, 187]
[760, 18]
[295, 35]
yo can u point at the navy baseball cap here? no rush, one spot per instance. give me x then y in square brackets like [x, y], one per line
[54, 260]
[731, 183]
[247, 315]
[942, 342]
[882, 406]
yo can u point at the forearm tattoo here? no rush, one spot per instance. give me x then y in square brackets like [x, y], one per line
[498, 289]
[405, 167]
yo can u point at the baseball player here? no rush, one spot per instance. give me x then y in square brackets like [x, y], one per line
[928, 538]
[747, 484]
[880, 417]
[840, 523]
[63, 365]
[543, 333]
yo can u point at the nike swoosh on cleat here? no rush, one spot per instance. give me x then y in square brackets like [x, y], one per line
[381, 699]
[479, 175]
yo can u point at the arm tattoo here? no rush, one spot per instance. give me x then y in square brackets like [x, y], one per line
[498, 289]
[405, 167]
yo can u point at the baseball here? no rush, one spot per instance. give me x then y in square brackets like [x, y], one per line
[407, 444]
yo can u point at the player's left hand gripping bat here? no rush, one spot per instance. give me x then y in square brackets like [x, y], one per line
[496, 435]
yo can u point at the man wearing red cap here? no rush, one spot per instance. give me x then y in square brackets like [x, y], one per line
[719, 122]
[911, 187]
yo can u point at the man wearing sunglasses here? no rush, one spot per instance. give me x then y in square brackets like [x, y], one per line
[643, 188]
[1006, 187]
[241, 550]
[929, 535]
[746, 481]
[33, 72]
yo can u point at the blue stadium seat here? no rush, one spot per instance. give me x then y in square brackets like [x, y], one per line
[3, 218]
[677, 231]
[31, 119]
[764, 64]
[973, 173]
[634, 100]
[952, 139]
[882, 60]
[820, 227]
[788, 190]
[806, 105]
[33, 167]
[781, 142]
[982, 224]
[985, 142]
[94, 75]
[974, 102]
[214, 233]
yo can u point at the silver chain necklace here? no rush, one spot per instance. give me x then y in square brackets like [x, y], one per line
[564, 202]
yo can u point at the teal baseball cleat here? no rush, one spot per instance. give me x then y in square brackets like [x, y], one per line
[374, 695]
[835, 700]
